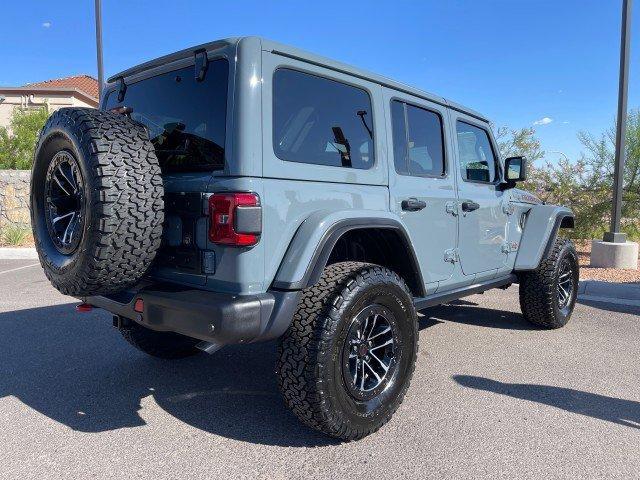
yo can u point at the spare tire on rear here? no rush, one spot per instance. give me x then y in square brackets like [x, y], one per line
[97, 205]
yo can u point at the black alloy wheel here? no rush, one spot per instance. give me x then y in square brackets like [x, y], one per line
[64, 205]
[369, 352]
[566, 281]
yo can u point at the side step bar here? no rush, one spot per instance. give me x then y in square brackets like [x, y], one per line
[450, 295]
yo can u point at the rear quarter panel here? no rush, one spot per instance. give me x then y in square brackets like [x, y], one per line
[289, 203]
[294, 191]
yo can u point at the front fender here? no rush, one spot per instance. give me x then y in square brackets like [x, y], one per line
[314, 240]
[540, 231]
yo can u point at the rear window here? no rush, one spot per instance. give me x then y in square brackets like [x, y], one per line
[185, 118]
[321, 121]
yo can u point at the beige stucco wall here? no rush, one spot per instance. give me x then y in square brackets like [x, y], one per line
[22, 100]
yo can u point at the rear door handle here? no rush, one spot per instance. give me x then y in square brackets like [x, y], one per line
[413, 204]
[469, 206]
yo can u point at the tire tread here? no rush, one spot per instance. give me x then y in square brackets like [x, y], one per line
[538, 288]
[300, 353]
[125, 211]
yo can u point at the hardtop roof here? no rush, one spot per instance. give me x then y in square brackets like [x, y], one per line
[299, 54]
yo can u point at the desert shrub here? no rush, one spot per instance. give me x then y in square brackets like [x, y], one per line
[18, 141]
[15, 235]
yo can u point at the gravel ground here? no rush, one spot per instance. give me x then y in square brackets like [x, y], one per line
[602, 274]
[491, 397]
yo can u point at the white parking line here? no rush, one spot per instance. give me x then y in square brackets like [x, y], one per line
[19, 268]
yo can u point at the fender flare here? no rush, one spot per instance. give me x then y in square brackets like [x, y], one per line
[298, 271]
[540, 232]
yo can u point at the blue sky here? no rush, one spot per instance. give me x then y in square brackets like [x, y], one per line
[515, 61]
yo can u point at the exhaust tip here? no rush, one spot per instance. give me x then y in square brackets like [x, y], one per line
[209, 347]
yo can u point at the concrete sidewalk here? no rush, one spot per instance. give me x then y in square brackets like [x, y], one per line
[18, 253]
[619, 293]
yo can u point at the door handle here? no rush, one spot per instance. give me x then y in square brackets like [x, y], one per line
[413, 204]
[469, 206]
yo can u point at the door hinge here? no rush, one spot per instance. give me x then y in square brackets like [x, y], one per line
[452, 208]
[508, 247]
[508, 208]
[451, 255]
[201, 64]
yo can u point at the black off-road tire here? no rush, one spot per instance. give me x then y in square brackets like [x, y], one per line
[167, 345]
[539, 288]
[121, 197]
[310, 364]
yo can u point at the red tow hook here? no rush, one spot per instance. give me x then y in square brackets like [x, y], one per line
[84, 308]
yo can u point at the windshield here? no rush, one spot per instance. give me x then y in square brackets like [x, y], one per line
[185, 118]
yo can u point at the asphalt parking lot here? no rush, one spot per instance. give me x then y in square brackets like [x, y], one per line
[491, 397]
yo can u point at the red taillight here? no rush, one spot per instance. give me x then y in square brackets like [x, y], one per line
[236, 219]
[83, 308]
[138, 306]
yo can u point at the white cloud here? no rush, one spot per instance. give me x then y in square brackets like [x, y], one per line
[566, 122]
[46, 24]
[543, 121]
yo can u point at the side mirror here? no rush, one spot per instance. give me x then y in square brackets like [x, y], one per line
[515, 169]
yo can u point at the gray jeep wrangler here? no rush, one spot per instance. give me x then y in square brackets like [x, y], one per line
[243, 190]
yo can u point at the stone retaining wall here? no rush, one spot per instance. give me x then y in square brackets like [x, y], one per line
[14, 198]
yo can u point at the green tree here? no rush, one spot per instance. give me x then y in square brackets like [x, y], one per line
[586, 184]
[523, 142]
[599, 160]
[512, 143]
[18, 141]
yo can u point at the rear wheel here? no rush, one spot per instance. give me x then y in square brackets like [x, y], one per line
[167, 345]
[346, 361]
[548, 294]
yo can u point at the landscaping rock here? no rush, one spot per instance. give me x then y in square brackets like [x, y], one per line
[14, 198]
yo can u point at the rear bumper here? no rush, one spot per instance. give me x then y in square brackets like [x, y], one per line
[209, 316]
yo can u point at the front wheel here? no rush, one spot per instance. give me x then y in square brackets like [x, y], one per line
[346, 361]
[548, 294]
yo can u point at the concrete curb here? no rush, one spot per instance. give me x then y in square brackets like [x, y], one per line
[618, 293]
[18, 253]
[615, 301]
[623, 291]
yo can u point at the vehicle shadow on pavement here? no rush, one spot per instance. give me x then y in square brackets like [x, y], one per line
[611, 409]
[468, 313]
[77, 370]
[610, 306]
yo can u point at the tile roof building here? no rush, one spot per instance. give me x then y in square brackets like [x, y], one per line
[83, 83]
[75, 91]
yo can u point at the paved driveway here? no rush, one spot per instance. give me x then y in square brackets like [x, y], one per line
[491, 397]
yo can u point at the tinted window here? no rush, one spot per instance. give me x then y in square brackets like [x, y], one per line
[400, 142]
[185, 118]
[477, 161]
[321, 121]
[417, 140]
